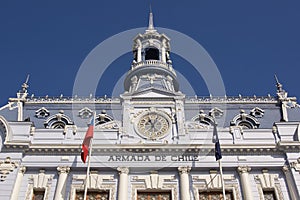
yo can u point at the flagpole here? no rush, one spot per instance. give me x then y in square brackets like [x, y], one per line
[88, 171]
[222, 179]
[218, 155]
[89, 163]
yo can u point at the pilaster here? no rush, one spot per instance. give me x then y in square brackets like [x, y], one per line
[15, 192]
[63, 172]
[294, 193]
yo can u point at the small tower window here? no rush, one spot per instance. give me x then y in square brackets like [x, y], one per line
[151, 54]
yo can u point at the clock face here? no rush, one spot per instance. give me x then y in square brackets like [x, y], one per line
[153, 125]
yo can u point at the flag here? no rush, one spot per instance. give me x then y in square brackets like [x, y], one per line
[218, 154]
[86, 142]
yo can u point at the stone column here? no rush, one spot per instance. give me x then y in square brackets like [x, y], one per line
[163, 54]
[123, 183]
[61, 183]
[15, 192]
[184, 182]
[245, 182]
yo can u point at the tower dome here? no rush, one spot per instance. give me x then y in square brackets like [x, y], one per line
[151, 66]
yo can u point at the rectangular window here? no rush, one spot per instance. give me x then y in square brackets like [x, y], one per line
[269, 195]
[93, 195]
[215, 195]
[162, 195]
[38, 195]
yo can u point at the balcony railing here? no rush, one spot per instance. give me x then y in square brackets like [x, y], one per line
[156, 63]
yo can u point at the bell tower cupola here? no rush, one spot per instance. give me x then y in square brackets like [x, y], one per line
[151, 66]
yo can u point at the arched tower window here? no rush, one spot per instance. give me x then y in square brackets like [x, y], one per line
[151, 54]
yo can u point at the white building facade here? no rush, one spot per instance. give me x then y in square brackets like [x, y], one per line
[152, 142]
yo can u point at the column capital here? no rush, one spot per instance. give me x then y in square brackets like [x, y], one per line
[123, 170]
[285, 168]
[22, 169]
[244, 169]
[184, 169]
[63, 169]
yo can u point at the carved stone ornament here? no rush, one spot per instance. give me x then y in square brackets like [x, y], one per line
[266, 182]
[123, 170]
[42, 113]
[96, 182]
[257, 112]
[244, 169]
[154, 180]
[216, 112]
[109, 125]
[184, 170]
[85, 113]
[7, 166]
[39, 181]
[213, 180]
[63, 169]
[296, 165]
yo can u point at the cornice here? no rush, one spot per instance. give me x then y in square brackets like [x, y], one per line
[70, 100]
[188, 100]
[227, 149]
[235, 100]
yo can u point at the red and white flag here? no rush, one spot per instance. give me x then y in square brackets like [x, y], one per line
[87, 140]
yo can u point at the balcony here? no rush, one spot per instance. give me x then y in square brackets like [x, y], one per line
[155, 63]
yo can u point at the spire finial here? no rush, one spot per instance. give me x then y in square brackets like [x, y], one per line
[150, 25]
[25, 84]
[278, 85]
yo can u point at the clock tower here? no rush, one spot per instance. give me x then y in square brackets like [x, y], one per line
[152, 103]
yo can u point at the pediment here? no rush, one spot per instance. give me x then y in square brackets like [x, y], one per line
[154, 93]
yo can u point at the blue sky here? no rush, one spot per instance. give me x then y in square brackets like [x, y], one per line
[248, 41]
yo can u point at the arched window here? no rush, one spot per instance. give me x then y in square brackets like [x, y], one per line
[58, 121]
[151, 54]
[245, 121]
